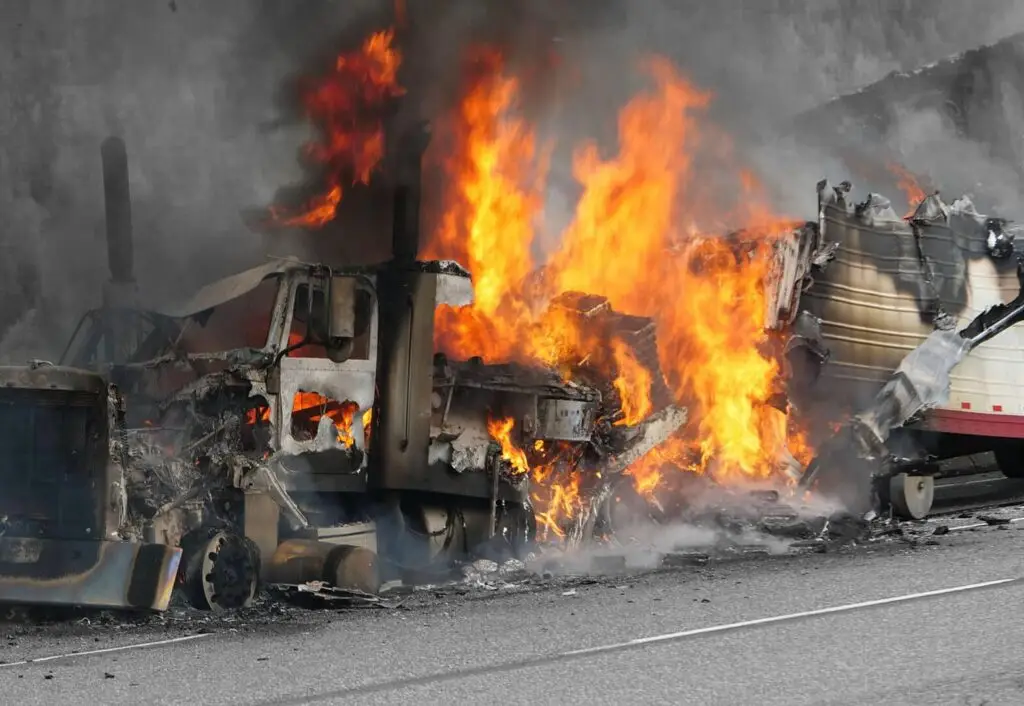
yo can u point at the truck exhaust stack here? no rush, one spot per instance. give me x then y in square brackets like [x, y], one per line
[120, 293]
[118, 203]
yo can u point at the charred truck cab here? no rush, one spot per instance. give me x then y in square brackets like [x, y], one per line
[287, 424]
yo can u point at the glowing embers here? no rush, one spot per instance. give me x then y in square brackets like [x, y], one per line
[309, 409]
[554, 475]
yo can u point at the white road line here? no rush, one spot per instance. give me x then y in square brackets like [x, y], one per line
[105, 650]
[976, 525]
[783, 618]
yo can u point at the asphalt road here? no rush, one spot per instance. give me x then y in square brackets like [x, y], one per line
[948, 648]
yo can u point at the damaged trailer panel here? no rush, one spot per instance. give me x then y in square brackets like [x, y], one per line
[904, 309]
[894, 281]
[853, 462]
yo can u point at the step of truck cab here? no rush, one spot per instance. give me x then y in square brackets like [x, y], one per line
[96, 574]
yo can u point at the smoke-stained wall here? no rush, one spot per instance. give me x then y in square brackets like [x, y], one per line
[196, 90]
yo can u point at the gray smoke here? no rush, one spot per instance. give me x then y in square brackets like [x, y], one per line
[766, 62]
[169, 78]
[196, 90]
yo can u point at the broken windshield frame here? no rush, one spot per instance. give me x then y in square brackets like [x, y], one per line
[243, 322]
[86, 349]
[218, 329]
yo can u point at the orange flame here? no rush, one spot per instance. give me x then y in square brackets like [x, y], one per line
[501, 431]
[633, 385]
[367, 427]
[909, 185]
[561, 504]
[713, 338]
[556, 482]
[347, 106]
[493, 202]
[648, 471]
[342, 414]
[555, 489]
[635, 240]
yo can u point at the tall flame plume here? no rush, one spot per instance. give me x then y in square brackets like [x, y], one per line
[627, 242]
[348, 106]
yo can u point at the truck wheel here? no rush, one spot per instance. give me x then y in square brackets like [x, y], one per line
[1010, 459]
[911, 496]
[222, 572]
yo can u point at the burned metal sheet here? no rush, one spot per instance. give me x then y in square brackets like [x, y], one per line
[794, 257]
[87, 573]
[226, 289]
[894, 281]
[454, 290]
[564, 420]
[649, 434]
[508, 377]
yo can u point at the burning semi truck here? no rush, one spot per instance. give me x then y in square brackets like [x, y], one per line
[290, 423]
[349, 424]
[271, 428]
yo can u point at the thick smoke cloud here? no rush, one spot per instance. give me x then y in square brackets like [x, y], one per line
[766, 62]
[170, 79]
[197, 90]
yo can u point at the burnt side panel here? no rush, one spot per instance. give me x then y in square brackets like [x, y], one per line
[404, 379]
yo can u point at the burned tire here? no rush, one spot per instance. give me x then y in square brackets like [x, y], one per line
[221, 572]
[1010, 458]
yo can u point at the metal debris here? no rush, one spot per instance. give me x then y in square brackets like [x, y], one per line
[318, 595]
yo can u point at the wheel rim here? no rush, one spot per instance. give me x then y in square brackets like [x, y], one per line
[911, 496]
[225, 573]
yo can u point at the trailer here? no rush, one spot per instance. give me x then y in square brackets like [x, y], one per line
[902, 310]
